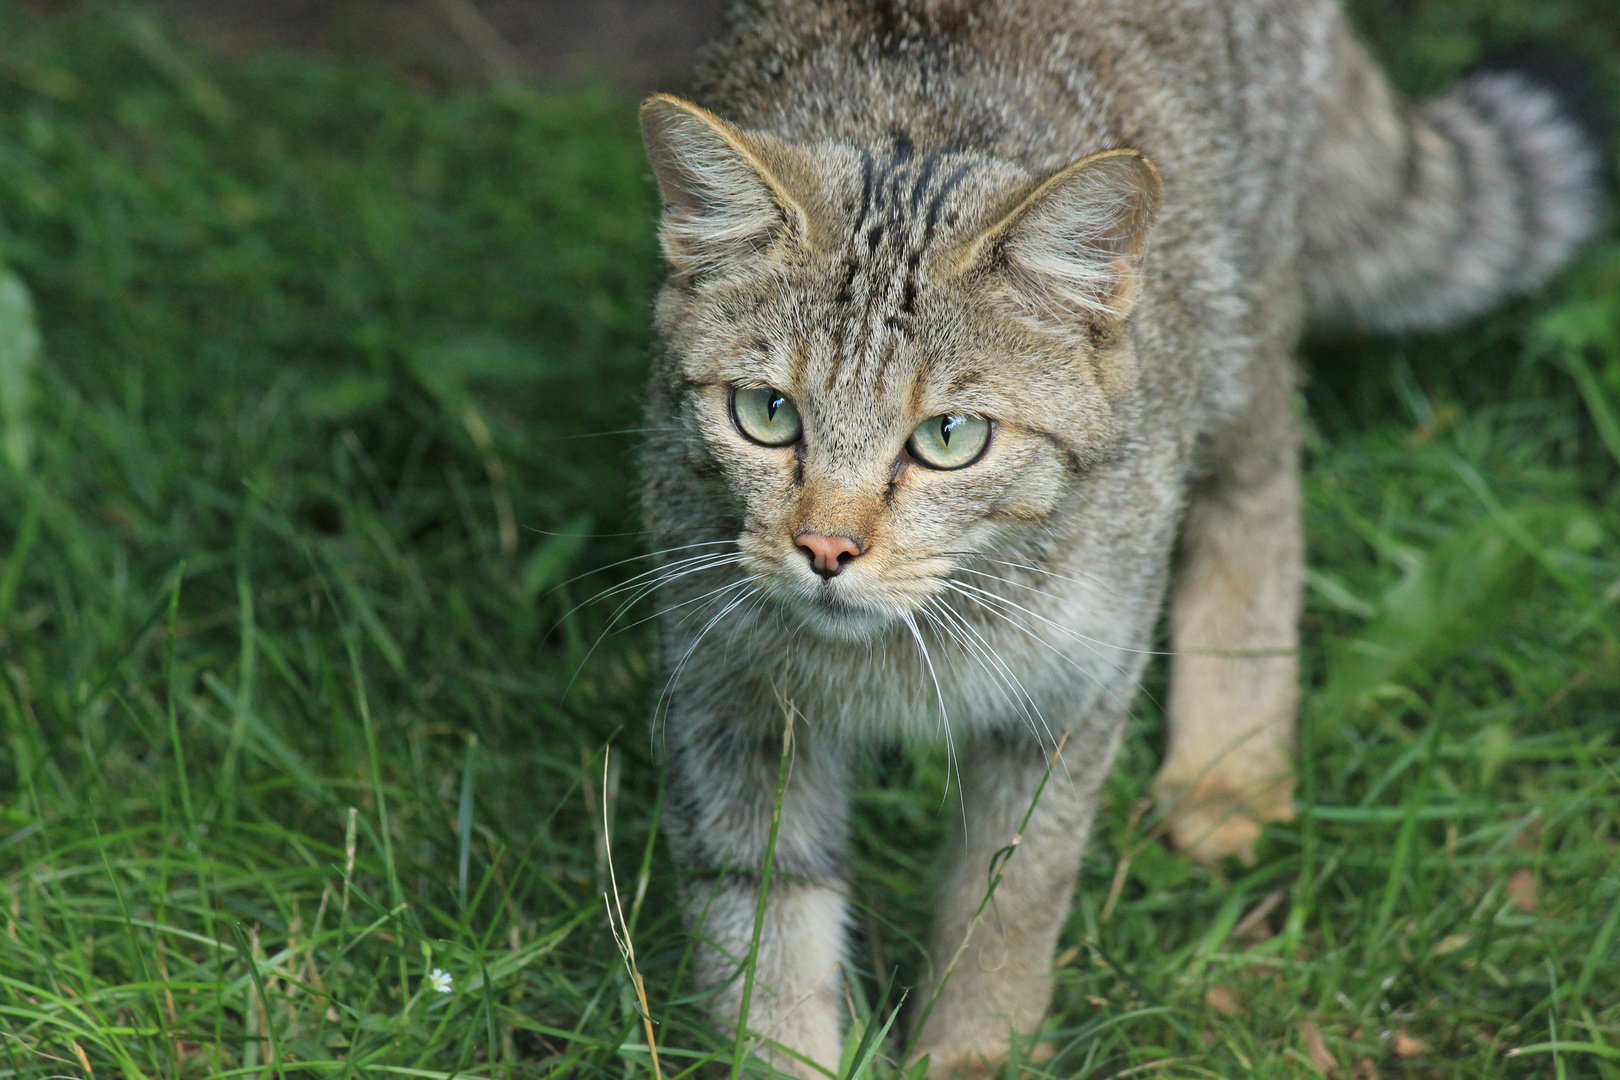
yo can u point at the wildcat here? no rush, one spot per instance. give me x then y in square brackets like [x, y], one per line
[976, 347]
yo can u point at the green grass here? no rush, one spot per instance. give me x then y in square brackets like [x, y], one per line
[297, 706]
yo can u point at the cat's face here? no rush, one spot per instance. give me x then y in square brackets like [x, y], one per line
[892, 359]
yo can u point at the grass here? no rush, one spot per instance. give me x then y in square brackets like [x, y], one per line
[333, 406]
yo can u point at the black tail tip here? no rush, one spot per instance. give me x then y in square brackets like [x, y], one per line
[1577, 82]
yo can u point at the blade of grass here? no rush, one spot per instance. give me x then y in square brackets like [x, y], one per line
[1597, 957]
[395, 892]
[621, 929]
[27, 533]
[19, 356]
[998, 867]
[1403, 842]
[464, 821]
[1597, 402]
[181, 776]
[872, 1038]
[783, 768]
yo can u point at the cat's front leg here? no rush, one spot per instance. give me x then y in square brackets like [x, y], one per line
[1001, 982]
[723, 772]
[1234, 628]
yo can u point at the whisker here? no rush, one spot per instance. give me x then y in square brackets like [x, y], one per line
[990, 650]
[673, 572]
[1057, 599]
[660, 708]
[647, 588]
[666, 696]
[1030, 631]
[642, 589]
[1015, 583]
[1088, 580]
[950, 623]
[621, 562]
[745, 617]
[982, 652]
[631, 583]
[689, 561]
[1060, 628]
[641, 593]
[944, 719]
[689, 616]
[675, 607]
[604, 434]
[1088, 642]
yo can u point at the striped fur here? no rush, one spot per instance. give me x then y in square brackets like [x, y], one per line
[1428, 213]
[1102, 227]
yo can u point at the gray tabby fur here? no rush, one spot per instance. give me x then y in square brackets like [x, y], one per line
[899, 208]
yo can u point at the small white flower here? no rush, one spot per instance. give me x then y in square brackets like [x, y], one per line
[439, 979]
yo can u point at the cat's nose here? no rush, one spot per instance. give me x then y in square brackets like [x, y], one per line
[828, 554]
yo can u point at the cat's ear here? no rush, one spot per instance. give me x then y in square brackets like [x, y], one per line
[726, 191]
[1074, 245]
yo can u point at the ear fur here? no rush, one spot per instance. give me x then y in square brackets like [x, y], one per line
[1074, 245]
[724, 196]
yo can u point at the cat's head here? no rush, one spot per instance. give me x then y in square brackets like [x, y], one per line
[890, 357]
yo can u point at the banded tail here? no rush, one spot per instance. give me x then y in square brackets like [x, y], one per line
[1419, 214]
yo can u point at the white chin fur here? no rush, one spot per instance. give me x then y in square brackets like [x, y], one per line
[838, 620]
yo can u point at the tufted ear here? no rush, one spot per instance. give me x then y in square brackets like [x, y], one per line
[1073, 246]
[726, 191]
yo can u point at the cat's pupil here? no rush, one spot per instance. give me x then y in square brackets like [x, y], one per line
[776, 403]
[946, 423]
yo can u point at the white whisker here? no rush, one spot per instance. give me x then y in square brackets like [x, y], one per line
[660, 713]
[647, 588]
[658, 571]
[1086, 580]
[640, 593]
[1011, 620]
[986, 656]
[944, 719]
[693, 600]
[1090, 642]
[634, 558]
[639, 580]
[697, 612]
[951, 623]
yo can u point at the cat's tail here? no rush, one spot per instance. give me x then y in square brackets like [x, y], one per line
[1418, 214]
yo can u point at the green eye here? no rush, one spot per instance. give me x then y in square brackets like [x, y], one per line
[765, 416]
[950, 441]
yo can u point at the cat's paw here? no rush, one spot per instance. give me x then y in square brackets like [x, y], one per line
[1212, 819]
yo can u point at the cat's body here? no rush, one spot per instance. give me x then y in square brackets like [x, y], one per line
[893, 233]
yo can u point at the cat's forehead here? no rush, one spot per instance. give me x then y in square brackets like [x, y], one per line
[894, 228]
[897, 197]
[866, 317]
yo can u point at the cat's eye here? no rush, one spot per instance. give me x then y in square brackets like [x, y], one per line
[766, 416]
[950, 441]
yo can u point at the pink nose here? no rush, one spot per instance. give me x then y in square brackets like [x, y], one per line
[828, 554]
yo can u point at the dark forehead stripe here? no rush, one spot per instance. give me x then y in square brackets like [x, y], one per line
[867, 167]
[930, 223]
[902, 198]
[924, 175]
[943, 192]
[852, 266]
